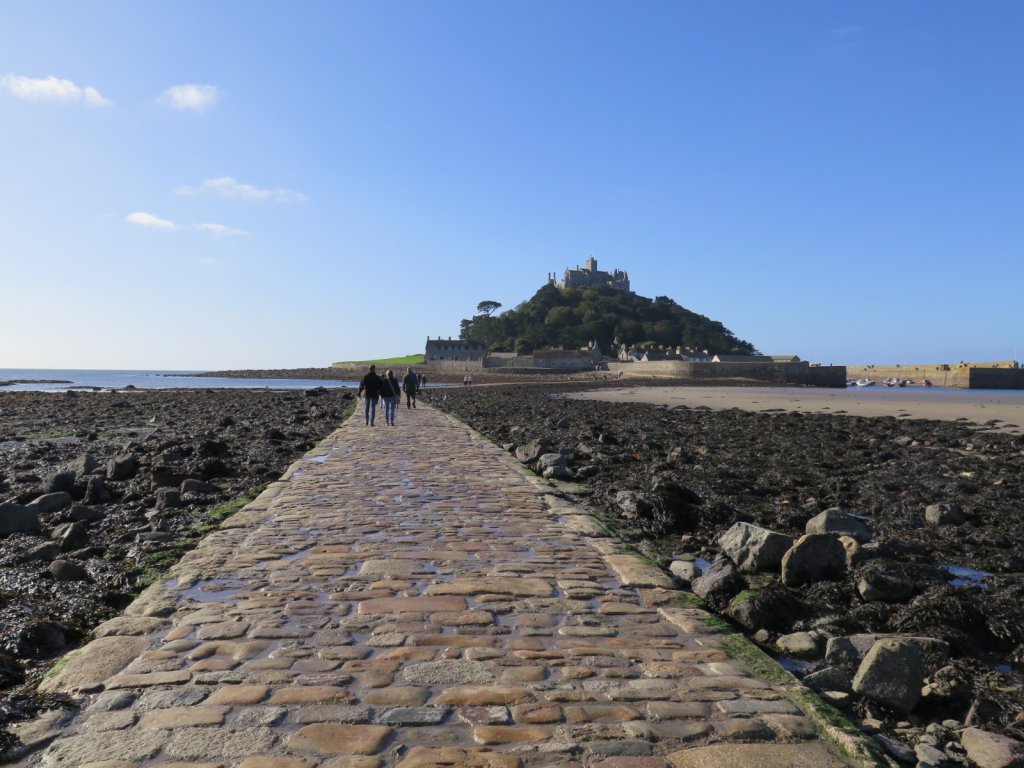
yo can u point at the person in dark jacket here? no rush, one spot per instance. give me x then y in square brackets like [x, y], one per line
[409, 385]
[371, 385]
[390, 391]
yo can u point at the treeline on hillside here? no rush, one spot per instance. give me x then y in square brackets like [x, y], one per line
[572, 317]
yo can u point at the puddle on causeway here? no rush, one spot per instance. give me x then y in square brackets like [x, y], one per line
[320, 459]
[214, 590]
[702, 564]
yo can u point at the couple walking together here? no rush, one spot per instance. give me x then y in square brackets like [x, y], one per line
[387, 388]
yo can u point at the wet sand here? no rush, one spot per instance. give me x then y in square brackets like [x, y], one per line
[999, 411]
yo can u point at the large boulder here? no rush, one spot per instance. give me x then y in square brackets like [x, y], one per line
[850, 650]
[892, 674]
[531, 451]
[753, 548]
[992, 750]
[122, 467]
[66, 570]
[51, 502]
[719, 582]
[944, 513]
[96, 491]
[60, 481]
[552, 465]
[814, 557]
[840, 523]
[85, 465]
[70, 536]
[15, 518]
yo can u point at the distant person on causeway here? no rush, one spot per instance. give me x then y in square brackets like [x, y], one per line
[391, 391]
[371, 385]
[409, 385]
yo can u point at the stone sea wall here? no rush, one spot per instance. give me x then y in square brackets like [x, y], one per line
[773, 373]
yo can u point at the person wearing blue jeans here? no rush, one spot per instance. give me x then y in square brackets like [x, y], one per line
[390, 391]
[371, 385]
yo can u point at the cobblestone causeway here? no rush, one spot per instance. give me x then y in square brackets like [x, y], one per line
[407, 596]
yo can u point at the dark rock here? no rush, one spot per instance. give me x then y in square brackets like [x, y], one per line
[65, 570]
[96, 491]
[70, 536]
[772, 607]
[719, 582]
[51, 502]
[164, 475]
[892, 674]
[80, 514]
[14, 518]
[212, 467]
[41, 636]
[829, 679]
[122, 467]
[814, 557]
[944, 513]
[851, 649]
[167, 498]
[191, 485]
[753, 548]
[85, 465]
[11, 672]
[897, 749]
[60, 481]
[840, 523]
[46, 552]
[884, 582]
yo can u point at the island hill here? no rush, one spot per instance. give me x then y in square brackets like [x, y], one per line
[568, 325]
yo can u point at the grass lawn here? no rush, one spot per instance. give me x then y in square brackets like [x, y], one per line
[394, 362]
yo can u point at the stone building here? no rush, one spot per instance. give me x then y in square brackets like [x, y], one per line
[590, 275]
[454, 349]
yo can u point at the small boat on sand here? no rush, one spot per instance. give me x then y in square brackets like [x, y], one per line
[865, 383]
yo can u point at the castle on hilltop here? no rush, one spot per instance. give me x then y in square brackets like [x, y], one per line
[590, 276]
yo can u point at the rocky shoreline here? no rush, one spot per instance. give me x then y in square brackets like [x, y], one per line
[879, 559]
[101, 492]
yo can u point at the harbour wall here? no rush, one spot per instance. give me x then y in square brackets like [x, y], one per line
[995, 375]
[771, 373]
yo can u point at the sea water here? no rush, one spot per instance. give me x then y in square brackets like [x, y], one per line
[88, 379]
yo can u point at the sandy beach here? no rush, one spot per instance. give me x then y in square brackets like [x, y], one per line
[1000, 412]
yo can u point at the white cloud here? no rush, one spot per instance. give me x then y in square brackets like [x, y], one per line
[52, 89]
[228, 187]
[150, 221]
[198, 98]
[217, 231]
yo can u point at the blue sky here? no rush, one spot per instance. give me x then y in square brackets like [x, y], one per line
[196, 185]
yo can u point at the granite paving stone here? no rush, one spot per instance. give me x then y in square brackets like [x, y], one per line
[412, 599]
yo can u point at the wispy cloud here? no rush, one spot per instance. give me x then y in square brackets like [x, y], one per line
[229, 188]
[148, 220]
[198, 98]
[52, 89]
[218, 231]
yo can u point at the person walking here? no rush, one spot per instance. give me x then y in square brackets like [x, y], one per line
[390, 391]
[371, 385]
[409, 385]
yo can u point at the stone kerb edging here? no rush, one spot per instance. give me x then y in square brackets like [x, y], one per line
[632, 569]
